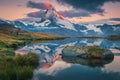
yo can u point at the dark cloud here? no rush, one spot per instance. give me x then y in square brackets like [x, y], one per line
[93, 6]
[114, 19]
[74, 13]
[32, 4]
[40, 5]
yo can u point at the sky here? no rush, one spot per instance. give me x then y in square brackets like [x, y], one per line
[77, 11]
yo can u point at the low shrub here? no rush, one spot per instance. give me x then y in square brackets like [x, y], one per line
[29, 60]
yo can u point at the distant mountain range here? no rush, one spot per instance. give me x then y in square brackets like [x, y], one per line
[50, 23]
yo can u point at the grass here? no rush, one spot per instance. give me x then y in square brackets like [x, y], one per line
[94, 51]
[30, 59]
[6, 52]
[18, 67]
[15, 67]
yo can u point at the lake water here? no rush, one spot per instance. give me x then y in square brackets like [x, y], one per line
[78, 69]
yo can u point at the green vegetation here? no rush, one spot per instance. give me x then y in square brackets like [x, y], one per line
[15, 67]
[30, 59]
[113, 37]
[95, 51]
[18, 67]
[7, 49]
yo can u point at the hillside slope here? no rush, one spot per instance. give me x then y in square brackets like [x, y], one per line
[9, 33]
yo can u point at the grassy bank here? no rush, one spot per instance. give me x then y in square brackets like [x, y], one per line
[18, 67]
[15, 67]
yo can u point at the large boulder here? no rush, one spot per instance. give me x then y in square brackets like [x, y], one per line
[92, 56]
[94, 52]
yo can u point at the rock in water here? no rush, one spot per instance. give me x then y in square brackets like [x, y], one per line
[74, 51]
[87, 52]
[92, 56]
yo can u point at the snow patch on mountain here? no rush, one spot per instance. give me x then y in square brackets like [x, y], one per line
[116, 28]
[66, 24]
[49, 28]
[84, 31]
[43, 24]
[94, 28]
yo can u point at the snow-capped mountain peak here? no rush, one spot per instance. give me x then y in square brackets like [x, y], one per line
[50, 17]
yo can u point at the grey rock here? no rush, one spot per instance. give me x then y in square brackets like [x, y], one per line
[82, 52]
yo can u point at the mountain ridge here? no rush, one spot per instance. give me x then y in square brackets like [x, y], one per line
[50, 23]
[82, 30]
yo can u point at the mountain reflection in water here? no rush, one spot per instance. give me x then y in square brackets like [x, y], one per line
[53, 67]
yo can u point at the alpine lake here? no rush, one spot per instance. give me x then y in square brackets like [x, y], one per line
[77, 69]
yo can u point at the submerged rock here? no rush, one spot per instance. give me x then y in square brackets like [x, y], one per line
[94, 52]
